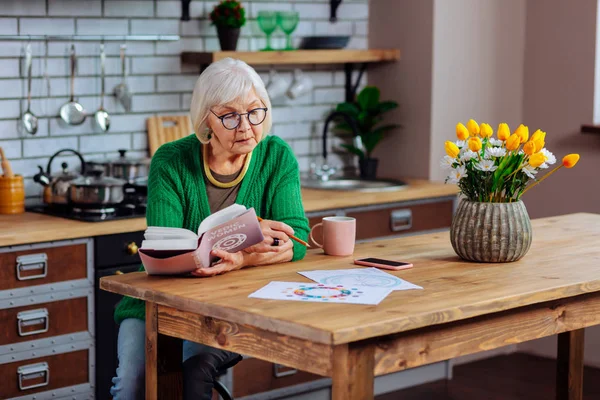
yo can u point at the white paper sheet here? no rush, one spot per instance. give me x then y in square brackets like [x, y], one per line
[365, 277]
[297, 291]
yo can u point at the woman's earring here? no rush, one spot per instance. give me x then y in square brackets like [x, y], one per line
[208, 133]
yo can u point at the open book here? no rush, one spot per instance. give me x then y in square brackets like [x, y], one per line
[177, 250]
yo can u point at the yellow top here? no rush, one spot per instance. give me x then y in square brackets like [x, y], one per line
[212, 179]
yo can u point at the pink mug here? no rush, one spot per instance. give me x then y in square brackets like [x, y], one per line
[339, 235]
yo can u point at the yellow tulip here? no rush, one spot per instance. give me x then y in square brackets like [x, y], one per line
[462, 133]
[513, 141]
[473, 127]
[537, 159]
[530, 148]
[451, 149]
[485, 131]
[503, 131]
[538, 137]
[570, 160]
[523, 133]
[475, 144]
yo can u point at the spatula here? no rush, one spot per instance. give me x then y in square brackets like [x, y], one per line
[8, 173]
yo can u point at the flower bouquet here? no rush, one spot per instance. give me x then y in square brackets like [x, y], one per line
[491, 223]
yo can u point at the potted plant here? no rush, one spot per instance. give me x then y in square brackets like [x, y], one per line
[491, 223]
[228, 16]
[368, 112]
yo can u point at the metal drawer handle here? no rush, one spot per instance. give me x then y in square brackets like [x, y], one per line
[401, 220]
[280, 371]
[32, 262]
[33, 317]
[31, 372]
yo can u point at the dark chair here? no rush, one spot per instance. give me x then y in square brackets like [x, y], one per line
[219, 387]
[222, 390]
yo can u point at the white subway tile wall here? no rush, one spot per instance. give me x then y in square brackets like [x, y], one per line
[160, 83]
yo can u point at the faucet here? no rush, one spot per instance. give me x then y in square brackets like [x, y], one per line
[324, 171]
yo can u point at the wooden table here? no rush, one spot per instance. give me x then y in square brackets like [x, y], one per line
[464, 308]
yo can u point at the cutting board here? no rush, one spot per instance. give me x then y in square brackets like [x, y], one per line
[166, 128]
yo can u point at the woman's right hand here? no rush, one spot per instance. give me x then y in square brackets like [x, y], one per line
[271, 230]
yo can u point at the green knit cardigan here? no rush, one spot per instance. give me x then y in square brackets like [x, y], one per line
[177, 194]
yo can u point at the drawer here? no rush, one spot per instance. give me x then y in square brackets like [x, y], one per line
[51, 372]
[401, 219]
[115, 250]
[42, 265]
[38, 321]
[253, 376]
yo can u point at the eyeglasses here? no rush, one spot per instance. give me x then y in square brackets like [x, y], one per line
[233, 119]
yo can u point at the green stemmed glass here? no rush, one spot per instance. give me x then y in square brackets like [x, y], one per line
[267, 21]
[288, 21]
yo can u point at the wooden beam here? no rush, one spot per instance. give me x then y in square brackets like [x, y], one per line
[353, 366]
[445, 341]
[590, 128]
[294, 57]
[269, 346]
[151, 351]
[569, 366]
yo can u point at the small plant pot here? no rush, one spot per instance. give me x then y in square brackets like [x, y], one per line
[368, 168]
[228, 38]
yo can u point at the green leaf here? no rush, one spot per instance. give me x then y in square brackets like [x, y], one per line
[353, 150]
[368, 98]
[385, 106]
[386, 128]
[348, 108]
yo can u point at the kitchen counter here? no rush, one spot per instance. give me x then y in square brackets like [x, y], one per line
[29, 227]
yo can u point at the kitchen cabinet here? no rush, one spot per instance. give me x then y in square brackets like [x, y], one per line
[388, 220]
[47, 314]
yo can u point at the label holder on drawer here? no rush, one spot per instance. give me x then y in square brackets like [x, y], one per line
[31, 262]
[33, 317]
[401, 220]
[279, 371]
[33, 371]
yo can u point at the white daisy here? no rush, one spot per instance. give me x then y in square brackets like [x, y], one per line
[495, 152]
[544, 166]
[486, 165]
[447, 162]
[460, 143]
[550, 159]
[495, 142]
[529, 171]
[467, 155]
[457, 174]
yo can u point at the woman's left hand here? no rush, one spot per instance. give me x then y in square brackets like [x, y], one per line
[229, 262]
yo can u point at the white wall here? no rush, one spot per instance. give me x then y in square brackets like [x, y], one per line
[478, 55]
[406, 25]
[559, 95]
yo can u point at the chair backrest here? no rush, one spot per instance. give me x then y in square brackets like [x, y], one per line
[166, 128]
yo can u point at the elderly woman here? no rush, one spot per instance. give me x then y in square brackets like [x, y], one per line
[230, 159]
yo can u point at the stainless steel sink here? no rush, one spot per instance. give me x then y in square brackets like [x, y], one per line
[380, 185]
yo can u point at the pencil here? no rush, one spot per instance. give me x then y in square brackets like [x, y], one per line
[302, 242]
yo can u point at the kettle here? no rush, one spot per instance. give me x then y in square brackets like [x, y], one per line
[56, 186]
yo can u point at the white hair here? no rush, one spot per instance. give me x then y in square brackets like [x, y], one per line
[223, 82]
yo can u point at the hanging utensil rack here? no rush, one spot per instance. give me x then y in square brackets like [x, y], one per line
[94, 38]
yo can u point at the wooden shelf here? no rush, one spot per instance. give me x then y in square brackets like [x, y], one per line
[590, 128]
[294, 57]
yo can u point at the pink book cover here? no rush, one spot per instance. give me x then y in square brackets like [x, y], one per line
[232, 236]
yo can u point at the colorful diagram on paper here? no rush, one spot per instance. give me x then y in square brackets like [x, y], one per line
[321, 293]
[230, 242]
